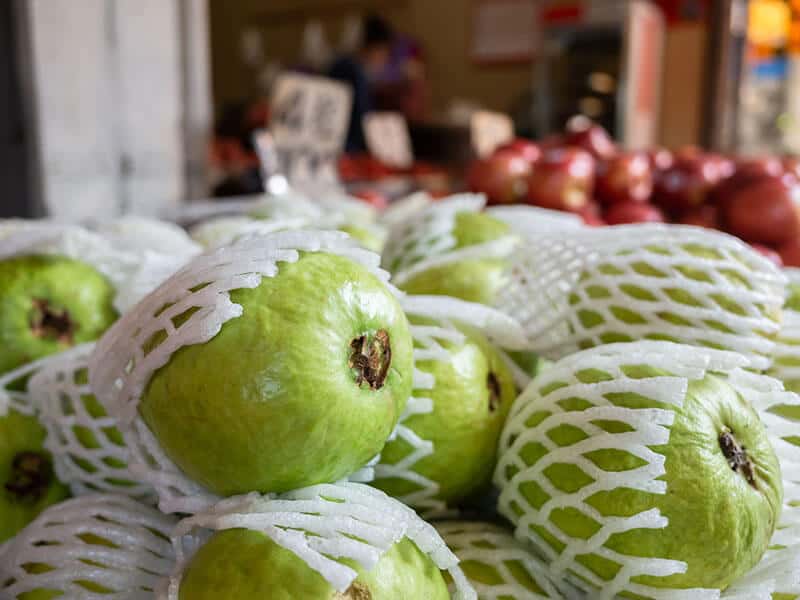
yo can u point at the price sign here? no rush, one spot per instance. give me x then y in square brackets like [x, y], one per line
[388, 138]
[309, 123]
[490, 130]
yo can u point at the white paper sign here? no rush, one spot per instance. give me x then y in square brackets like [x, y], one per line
[388, 139]
[490, 130]
[308, 126]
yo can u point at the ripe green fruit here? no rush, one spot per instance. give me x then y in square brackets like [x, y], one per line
[367, 238]
[247, 565]
[305, 387]
[29, 484]
[496, 564]
[723, 481]
[48, 304]
[472, 279]
[472, 395]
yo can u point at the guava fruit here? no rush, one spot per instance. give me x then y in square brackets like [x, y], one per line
[472, 395]
[471, 279]
[495, 563]
[367, 238]
[531, 363]
[48, 304]
[29, 484]
[304, 387]
[723, 481]
[242, 564]
[93, 545]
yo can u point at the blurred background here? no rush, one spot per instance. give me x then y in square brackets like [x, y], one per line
[136, 106]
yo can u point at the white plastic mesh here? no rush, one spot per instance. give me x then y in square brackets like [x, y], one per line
[322, 525]
[777, 573]
[425, 240]
[533, 221]
[15, 399]
[136, 556]
[635, 282]
[224, 230]
[499, 556]
[645, 428]
[403, 209]
[140, 235]
[88, 456]
[119, 368]
[786, 363]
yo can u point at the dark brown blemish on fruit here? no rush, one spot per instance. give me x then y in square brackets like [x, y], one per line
[737, 458]
[31, 474]
[370, 358]
[494, 391]
[357, 591]
[51, 323]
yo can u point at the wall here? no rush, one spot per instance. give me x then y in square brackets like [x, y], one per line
[443, 27]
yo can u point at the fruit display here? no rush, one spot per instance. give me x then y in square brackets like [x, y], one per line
[502, 404]
[584, 172]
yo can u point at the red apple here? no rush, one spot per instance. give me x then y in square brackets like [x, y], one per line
[591, 215]
[581, 132]
[627, 177]
[373, 197]
[762, 210]
[686, 184]
[790, 252]
[791, 166]
[503, 177]
[701, 216]
[563, 179]
[633, 212]
[661, 159]
[524, 147]
[769, 253]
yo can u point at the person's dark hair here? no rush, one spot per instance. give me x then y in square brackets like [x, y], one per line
[376, 32]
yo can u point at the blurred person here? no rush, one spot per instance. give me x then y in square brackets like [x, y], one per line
[358, 70]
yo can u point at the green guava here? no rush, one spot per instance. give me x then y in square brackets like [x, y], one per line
[724, 487]
[242, 564]
[472, 395]
[531, 363]
[474, 279]
[366, 238]
[48, 304]
[303, 388]
[29, 484]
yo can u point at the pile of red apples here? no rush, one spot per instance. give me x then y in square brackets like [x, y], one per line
[583, 171]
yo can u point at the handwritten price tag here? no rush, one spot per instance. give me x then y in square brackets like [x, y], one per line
[309, 123]
[388, 139]
[490, 130]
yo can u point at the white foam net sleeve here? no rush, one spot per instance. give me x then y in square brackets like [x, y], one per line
[425, 240]
[633, 282]
[322, 525]
[646, 427]
[224, 230]
[87, 449]
[786, 355]
[533, 221]
[140, 234]
[119, 368]
[403, 209]
[16, 399]
[499, 556]
[130, 565]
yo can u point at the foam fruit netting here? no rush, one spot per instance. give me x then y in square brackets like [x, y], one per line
[646, 427]
[119, 368]
[425, 240]
[322, 525]
[681, 284]
[105, 540]
[87, 452]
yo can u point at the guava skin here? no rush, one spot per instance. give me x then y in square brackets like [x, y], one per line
[471, 399]
[720, 520]
[365, 238]
[275, 401]
[474, 280]
[48, 304]
[240, 564]
[20, 434]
